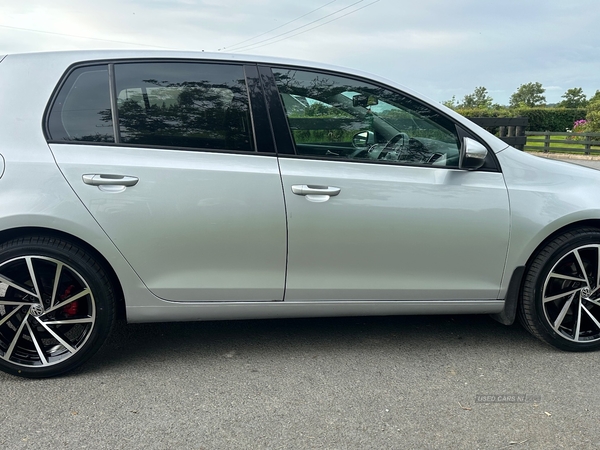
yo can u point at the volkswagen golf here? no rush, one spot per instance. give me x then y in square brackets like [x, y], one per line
[172, 186]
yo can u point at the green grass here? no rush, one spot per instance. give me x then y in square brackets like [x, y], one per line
[573, 147]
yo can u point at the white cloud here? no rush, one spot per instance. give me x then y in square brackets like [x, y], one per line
[439, 47]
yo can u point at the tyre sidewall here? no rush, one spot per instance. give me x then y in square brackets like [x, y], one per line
[94, 276]
[543, 325]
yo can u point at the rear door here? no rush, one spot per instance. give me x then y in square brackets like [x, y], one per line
[166, 158]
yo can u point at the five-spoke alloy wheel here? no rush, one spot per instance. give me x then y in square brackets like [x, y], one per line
[561, 293]
[56, 306]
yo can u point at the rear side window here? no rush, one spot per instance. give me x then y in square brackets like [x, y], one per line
[195, 105]
[82, 111]
[164, 104]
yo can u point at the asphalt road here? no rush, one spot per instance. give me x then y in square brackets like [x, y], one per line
[346, 383]
[594, 162]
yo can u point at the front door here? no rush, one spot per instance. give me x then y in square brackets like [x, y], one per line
[377, 207]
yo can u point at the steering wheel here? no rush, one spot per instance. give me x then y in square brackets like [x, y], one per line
[397, 142]
[396, 139]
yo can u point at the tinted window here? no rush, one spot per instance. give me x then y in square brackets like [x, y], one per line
[82, 111]
[194, 105]
[337, 117]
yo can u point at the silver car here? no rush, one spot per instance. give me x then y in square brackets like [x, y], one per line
[168, 186]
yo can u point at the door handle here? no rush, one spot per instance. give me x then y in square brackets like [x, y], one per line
[109, 180]
[307, 189]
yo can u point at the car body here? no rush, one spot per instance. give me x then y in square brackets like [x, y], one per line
[180, 186]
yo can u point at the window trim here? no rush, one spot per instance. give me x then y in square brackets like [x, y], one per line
[114, 109]
[491, 159]
[259, 114]
[112, 86]
[284, 142]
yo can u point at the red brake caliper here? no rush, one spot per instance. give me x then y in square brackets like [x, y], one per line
[71, 308]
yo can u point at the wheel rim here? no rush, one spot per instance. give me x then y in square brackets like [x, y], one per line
[571, 295]
[47, 311]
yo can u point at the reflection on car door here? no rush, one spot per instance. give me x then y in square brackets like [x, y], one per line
[372, 229]
[394, 232]
[199, 214]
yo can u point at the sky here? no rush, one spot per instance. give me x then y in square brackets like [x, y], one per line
[441, 48]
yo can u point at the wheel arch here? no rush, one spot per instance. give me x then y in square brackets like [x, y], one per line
[591, 223]
[14, 233]
[513, 295]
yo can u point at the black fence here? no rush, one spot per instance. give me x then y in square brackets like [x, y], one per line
[567, 142]
[510, 129]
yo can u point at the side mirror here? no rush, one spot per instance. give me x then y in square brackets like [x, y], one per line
[472, 154]
[363, 139]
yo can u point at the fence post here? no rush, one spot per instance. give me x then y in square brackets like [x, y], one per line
[547, 142]
[588, 146]
[520, 131]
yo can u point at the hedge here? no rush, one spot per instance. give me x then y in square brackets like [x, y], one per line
[540, 119]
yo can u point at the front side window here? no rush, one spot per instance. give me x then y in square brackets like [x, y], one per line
[194, 105]
[337, 117]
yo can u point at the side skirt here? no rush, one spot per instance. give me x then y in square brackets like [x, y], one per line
[177, 312]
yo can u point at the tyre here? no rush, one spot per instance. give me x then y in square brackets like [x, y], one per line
[560, 301]
[57, 306]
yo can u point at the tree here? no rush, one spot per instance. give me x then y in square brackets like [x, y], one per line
[529, 94]
[452, 103]
[595, 97]
[573, 98]
[593, 114]
[478, 99]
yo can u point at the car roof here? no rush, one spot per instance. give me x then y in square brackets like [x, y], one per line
[91, 55]
[70, 57]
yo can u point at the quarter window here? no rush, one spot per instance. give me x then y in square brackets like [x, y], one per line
[82, 111]
[336, 117]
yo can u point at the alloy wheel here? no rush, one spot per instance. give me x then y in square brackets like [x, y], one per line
[571, 295]
[47, 311]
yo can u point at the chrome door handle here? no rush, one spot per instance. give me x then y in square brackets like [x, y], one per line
[109, 180]
[307, 189]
